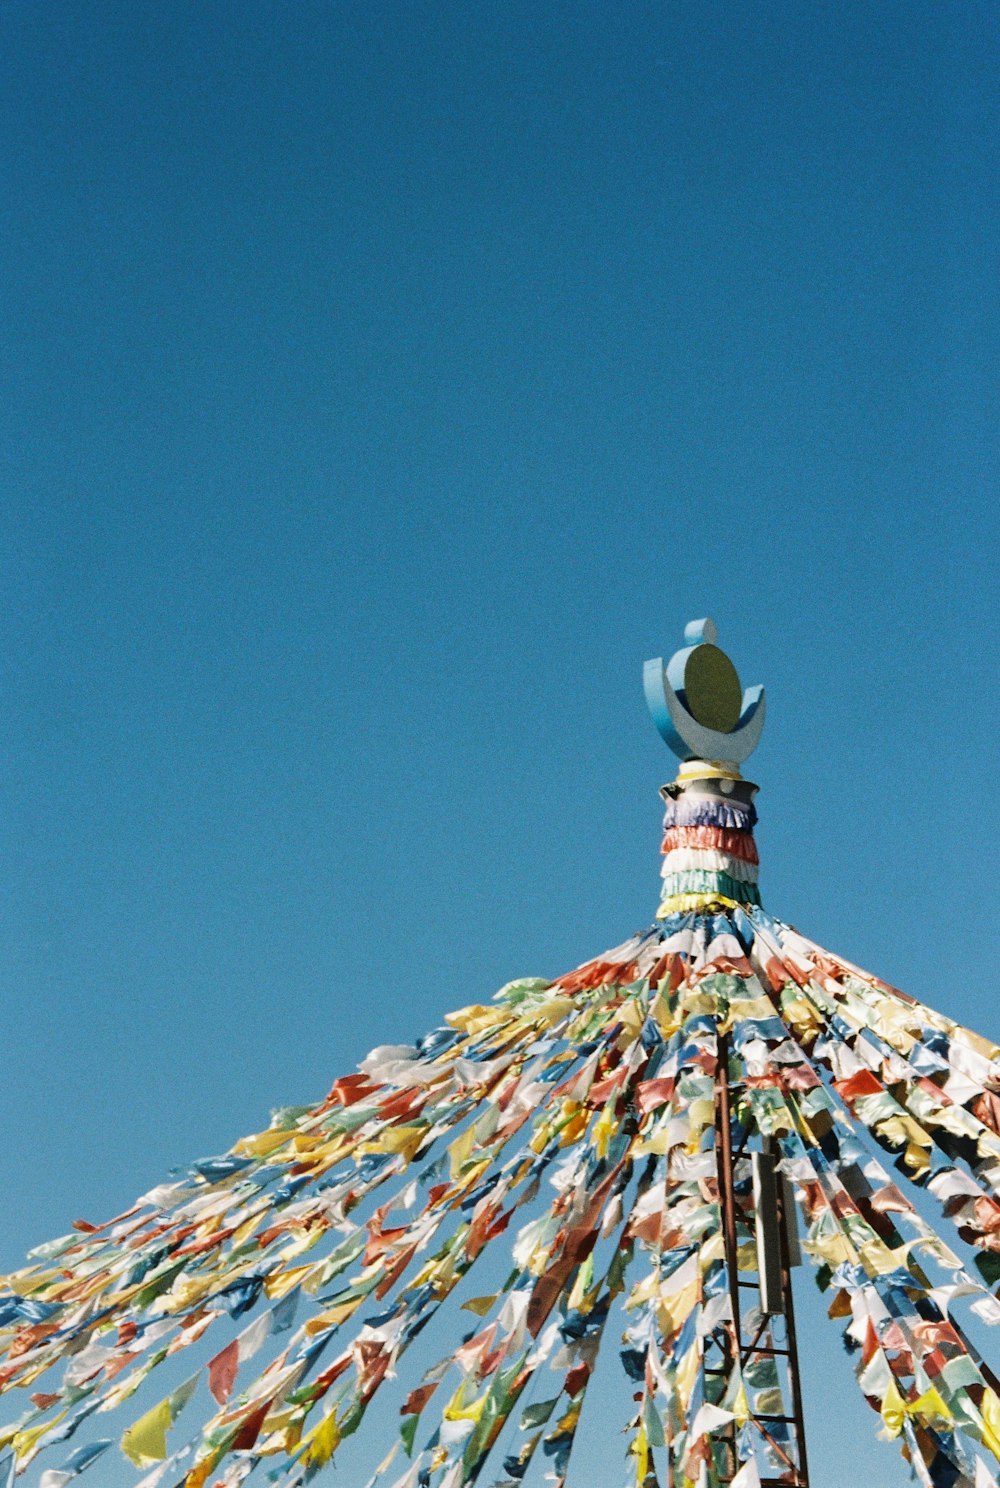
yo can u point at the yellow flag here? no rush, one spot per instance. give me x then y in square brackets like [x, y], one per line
[24, 1441]
[990, 1411]
[552, 1010]
[404, 1139]
[145, 1442]
[323, 1441]
[461, 1150]
[263, 1143]
[931, 1406]
[640, 1451]
[475, 1019]
[603, 1128]
[479, 1305]
[280, 1283]
[458, 1410]
[893, 1410]
[741, 1407]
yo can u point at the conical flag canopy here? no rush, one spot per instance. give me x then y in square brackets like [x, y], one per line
[625, 1161]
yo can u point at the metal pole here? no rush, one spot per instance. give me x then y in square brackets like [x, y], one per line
[737, 1351]
[790, 1340]
[727, 1197]
[727, 1200]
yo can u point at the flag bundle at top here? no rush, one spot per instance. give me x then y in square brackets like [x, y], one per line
[622, 1161]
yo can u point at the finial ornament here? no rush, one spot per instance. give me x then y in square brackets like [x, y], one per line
[697, 703]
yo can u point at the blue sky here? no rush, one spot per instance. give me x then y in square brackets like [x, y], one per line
[383, 384]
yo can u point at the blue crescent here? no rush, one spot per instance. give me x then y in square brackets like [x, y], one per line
[686, 737]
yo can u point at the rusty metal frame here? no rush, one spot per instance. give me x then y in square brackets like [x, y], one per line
[736, 1345]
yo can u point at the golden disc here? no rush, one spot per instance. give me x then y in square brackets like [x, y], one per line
[712, 689]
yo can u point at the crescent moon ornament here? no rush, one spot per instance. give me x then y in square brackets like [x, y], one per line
[697, 704]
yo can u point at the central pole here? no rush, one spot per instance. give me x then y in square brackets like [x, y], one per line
[762, 1345]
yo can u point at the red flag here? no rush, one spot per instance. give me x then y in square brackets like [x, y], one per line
[222, 1371]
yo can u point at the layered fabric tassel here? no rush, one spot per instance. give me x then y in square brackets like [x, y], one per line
[709, 855]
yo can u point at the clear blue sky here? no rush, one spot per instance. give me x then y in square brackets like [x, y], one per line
[383, 383]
